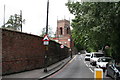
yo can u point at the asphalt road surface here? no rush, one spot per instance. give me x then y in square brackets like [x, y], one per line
[77, 68]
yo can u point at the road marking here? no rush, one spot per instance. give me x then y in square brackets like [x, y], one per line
[72, 59]
[86, 65]
[91, 70]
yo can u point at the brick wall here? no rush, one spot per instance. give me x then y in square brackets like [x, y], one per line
[21, 52]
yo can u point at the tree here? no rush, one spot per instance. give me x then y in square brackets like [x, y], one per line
[14, 22]
[96, 25]
[50, 32]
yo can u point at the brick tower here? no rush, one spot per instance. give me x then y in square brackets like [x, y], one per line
[63, 33]
[63, 28]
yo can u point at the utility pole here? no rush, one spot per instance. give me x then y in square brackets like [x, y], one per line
[4, 17]
[21, 19]
[71, 44]
[46, 46]
[47, 17]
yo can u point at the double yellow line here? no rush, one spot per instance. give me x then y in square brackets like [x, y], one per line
[73, 58]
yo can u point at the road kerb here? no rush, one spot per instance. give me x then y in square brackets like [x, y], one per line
[54, 71]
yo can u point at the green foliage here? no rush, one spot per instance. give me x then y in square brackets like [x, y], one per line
[96, 25]
[50, 32]
[14, 22]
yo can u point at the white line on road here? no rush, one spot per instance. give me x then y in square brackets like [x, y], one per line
[91, 70]
[86, 65]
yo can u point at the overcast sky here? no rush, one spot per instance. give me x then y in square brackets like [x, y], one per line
[34, 12]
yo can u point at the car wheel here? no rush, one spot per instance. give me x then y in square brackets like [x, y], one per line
[92, 64]
[96, 66]
[106, 73]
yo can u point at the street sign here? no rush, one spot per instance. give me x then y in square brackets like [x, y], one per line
[46, 42]
[98, 74]
[62, 46]
[46, 38]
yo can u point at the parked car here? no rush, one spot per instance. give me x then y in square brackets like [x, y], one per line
[102, 61]
[83, 51]
[94, 57]
[87, 57]
[113, 69]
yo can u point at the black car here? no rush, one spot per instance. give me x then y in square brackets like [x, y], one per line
[113, 69]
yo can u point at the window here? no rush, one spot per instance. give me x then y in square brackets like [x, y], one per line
[61, 32]
[92, 56]
[105, 59]
[98, 55]
[88, 55]
[67, 31]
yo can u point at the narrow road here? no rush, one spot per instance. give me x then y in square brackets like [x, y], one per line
[75, 69]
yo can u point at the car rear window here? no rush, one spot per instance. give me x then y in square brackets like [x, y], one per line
[105, 59]
[87, 55]
[98, 55]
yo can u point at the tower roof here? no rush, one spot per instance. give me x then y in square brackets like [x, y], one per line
[64, 20]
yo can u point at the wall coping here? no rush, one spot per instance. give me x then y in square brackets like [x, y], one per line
[28, 34]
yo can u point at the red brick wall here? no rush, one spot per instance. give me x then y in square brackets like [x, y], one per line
[21, 52]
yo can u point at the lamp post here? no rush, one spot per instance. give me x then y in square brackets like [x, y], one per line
[70, 40]
[46, 46]
[4, 17]
[47, 17]
[71, 44]
[21, 19]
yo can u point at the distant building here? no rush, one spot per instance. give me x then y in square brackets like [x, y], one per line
[63, 33]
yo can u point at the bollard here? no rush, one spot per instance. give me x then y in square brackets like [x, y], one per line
[98, 74]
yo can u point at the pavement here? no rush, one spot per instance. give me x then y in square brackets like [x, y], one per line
[38, 74]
